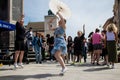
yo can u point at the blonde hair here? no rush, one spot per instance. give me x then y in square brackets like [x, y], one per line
[111, 27]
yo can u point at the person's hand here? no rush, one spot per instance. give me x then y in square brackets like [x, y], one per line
[57, 12]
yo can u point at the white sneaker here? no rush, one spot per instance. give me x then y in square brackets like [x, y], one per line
[64, 70]
[15, 65]
[112, 67]
[21, 65]
[108, 65]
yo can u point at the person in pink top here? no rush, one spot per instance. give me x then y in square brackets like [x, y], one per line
[97, 46]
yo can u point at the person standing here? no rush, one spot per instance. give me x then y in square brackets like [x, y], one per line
[69, 48]
[48, 45]
[78, 45]
[60, 47]
[29, 36]
[84, 49]
[19, 42]
[111, 39]
[97, 45]
[51, 45]
[37, 42]
[90, 47]
[104, 48]
[44, 48]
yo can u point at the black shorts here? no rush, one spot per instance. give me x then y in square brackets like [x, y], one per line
[97, 47]
[19, 45]
[90, 47]
[77, 52]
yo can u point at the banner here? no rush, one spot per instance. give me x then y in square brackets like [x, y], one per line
[7, 26]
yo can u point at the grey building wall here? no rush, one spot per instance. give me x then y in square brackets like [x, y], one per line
[4, 10]
[119, 13]
[17, 9]
[54, 24]
[10, 10]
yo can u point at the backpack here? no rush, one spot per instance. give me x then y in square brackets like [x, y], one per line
[29, 36]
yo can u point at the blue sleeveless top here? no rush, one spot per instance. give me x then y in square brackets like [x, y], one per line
[59, 41]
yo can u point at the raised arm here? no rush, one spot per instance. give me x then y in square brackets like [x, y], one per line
[63, 22]
[84, 28]
[60, 16]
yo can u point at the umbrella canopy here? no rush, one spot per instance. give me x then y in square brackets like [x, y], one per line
[7, 26]
[56, 5]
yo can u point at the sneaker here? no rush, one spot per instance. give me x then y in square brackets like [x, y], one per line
[40, 62]
[80, 63]
[112, 67]
[85, 61]
[15, 65]
[73, 63]
[21, 65]
[64, 70]
[108, 65]
[36, 62]
[51, 60]
[98, 64]
[92, 63]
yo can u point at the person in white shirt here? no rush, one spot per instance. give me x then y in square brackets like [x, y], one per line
[111, 39]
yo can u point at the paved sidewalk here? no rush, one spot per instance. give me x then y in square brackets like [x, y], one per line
[50, 71]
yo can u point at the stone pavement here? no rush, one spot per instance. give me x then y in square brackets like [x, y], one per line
[50, 71]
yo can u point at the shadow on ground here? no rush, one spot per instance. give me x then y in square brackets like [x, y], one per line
[24, 77]
[96, 69]
[83, 65]
[4, 69]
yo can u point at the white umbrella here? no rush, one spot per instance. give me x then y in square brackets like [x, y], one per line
[56, 5]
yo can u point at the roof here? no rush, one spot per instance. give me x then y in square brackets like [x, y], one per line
[36, 26]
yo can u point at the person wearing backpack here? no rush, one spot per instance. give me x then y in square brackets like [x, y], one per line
[29, 36]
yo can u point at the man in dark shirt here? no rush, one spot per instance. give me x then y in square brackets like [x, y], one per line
[51, 44]
[19, 42]
[78, 44]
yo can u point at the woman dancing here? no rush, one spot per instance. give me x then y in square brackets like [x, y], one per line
[60, 48]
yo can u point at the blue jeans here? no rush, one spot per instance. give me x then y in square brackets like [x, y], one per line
[38, 54]
[29, 43]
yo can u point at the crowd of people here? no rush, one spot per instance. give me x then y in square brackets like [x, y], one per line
[61, 48]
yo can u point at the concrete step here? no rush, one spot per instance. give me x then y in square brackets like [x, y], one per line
[31, 55]
[32, 59]
[31, 52]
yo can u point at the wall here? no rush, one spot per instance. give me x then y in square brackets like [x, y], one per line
[54, 24]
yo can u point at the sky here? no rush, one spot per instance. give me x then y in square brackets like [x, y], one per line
[92, 13]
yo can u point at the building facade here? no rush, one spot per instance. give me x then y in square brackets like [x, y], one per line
[116, 10]
[116, 17]
[54, 24]
[10, 10]
[36, 27]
